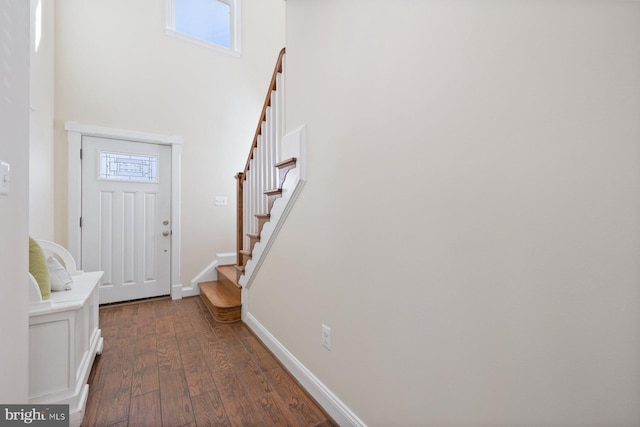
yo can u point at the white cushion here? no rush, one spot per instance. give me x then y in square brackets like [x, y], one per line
[60, 278]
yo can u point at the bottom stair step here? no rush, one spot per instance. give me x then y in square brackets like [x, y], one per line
[222, 299]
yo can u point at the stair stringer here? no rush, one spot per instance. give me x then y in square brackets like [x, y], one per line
[293, 145]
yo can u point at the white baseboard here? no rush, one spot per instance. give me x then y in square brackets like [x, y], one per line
[178, 291]
[189, 291]
[329, 401]
[208, 274]
[227, 258]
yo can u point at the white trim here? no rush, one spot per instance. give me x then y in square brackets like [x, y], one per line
[75, 132]
[244, 308]
[235, 42]
[209, 273]
[227, 258]
[320, 392]
[127, 135]
[176, 217]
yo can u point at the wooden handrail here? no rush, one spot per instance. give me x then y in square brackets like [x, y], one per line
[241, 177]
[263, 115]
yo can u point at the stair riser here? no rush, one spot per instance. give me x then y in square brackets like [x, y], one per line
[282, 173]
[223, 315]
[261, 223]
[224, 281]
[245, 258]
[271, 200]
[252, 242]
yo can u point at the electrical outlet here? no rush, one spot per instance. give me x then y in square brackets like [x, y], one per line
[326, 337]
[220, 201]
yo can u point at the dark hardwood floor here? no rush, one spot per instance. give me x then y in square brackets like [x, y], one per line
[169, 363]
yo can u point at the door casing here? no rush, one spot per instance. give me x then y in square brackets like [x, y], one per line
[75, 132]
[126, 225]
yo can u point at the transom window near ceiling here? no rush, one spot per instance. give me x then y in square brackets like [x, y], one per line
[212, 23]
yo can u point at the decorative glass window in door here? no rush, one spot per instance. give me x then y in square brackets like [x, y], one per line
[128, 167]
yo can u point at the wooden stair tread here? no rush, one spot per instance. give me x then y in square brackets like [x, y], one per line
[289, 162]
[283, 169]
[229, 272]
[273, 192]
[219, 295]
[222, 298]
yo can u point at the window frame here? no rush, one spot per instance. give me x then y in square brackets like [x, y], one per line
[234, 33]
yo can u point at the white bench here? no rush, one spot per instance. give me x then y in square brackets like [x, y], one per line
[64, 338]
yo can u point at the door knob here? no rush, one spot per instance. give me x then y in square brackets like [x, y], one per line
[165, 222]
[165, 233]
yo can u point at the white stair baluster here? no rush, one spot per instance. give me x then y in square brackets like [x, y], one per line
[257, 195]
[265, 157]
[269, 148]
[256, 189]
[279, 121]
[247, 207]
[259, 170]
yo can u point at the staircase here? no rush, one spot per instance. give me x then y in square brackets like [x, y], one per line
[245, 251]
[222, 297]
[259, 185]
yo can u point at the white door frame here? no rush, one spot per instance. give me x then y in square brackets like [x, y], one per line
[75, 132]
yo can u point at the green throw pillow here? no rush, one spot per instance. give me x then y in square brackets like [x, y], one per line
[39, 269]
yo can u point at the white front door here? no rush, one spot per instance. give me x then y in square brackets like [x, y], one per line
[126, 217]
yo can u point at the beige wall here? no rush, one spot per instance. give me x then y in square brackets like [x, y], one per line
[469, 226]
[115, 67]
[41, 176]
[14, 208]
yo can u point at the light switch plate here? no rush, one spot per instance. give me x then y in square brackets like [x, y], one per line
[5, 178]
